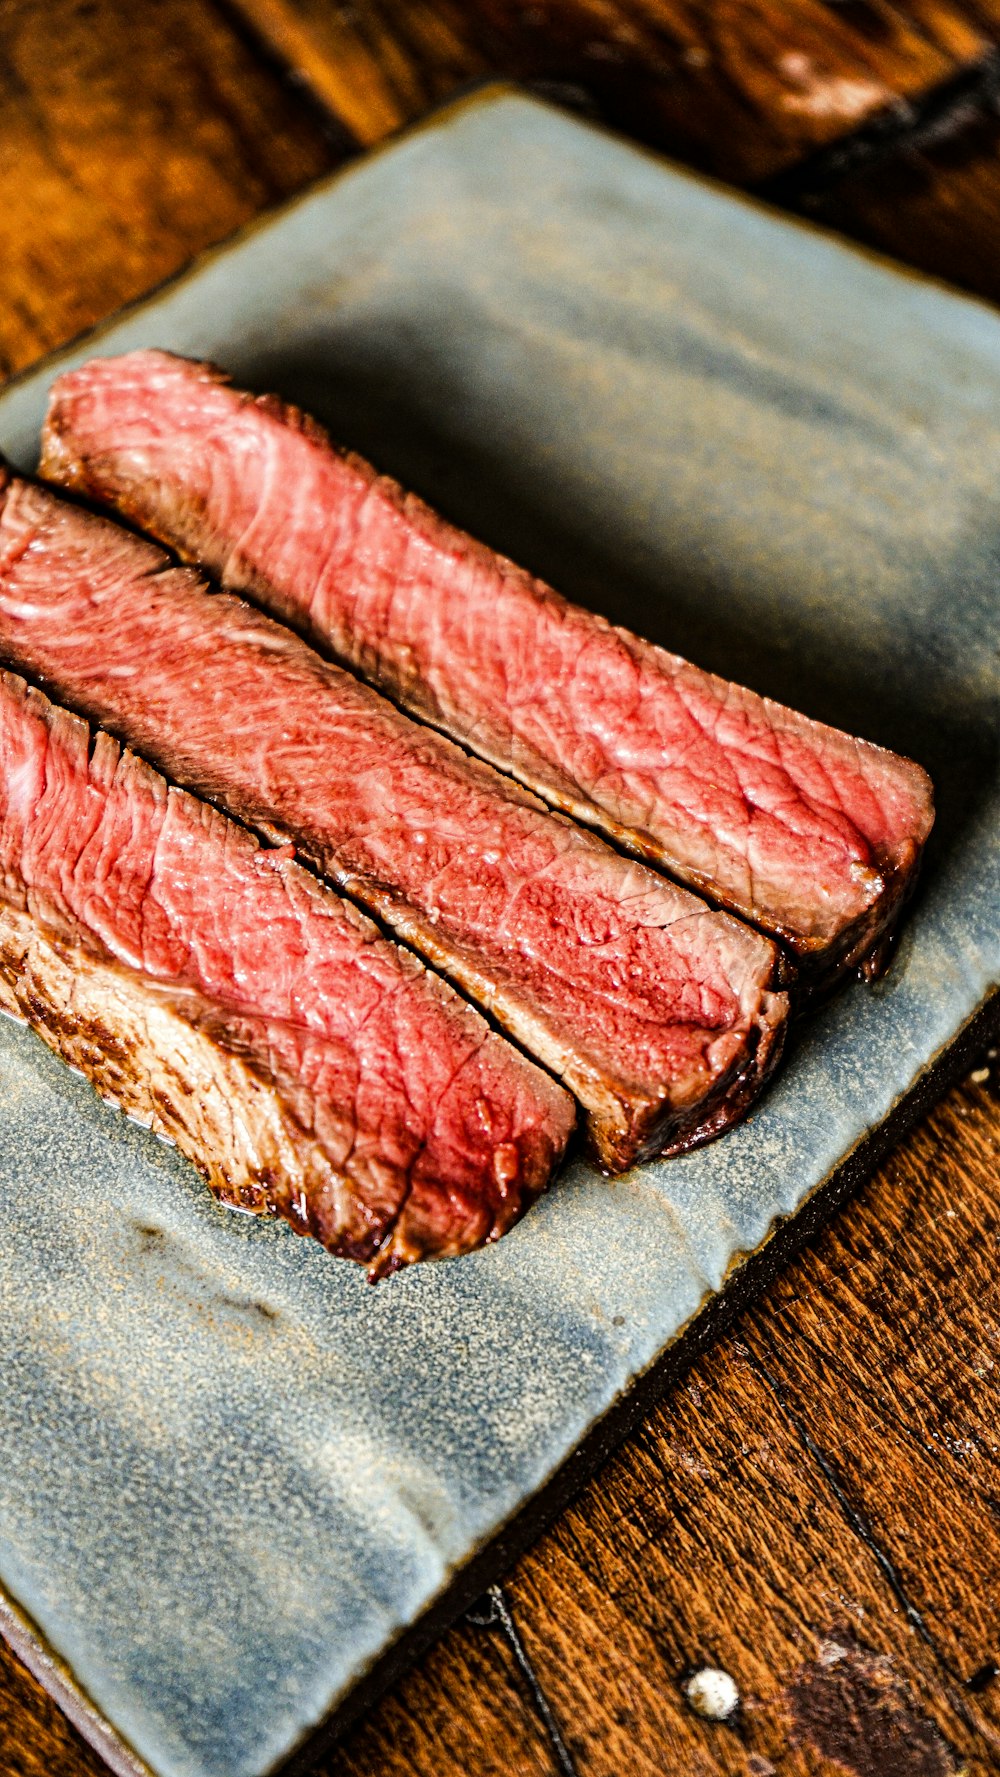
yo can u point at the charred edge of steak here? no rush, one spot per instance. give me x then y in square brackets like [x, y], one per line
[734, 1101]
[808, 971]
[671, 1132]
[866, 948]
[143, 1055]
[617, 1130]
[156, 1066]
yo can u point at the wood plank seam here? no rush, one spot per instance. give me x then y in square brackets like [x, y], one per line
[263, 46]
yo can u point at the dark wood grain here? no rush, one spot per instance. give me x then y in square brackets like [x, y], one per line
[466, 1708]
[376, 66]
[817, 1507]
[36, 1740]
[827, 1480]
[933, 200]
[752, 91]
[739, 87]
[132, 137]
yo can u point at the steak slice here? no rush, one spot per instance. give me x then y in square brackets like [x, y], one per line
[811, 834]
[659, 1013]
[215, 990]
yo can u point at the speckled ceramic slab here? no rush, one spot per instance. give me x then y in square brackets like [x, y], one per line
[232, 1475]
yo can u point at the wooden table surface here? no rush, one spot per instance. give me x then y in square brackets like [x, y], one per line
[816, 1507]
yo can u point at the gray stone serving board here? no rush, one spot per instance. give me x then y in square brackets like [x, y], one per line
[232, 1476]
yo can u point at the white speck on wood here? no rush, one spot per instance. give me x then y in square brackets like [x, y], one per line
[712, 1693]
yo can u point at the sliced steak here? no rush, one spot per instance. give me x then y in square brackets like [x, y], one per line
[217, 991]
[811, 834]
[659, 1013]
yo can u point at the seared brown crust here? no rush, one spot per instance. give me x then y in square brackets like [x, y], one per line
[220, 994]
[148, 1056]
[156, 1059]
[643, 1001]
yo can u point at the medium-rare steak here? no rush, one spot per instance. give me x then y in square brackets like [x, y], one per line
[659, 1013]
[813, 835]
[218, 992]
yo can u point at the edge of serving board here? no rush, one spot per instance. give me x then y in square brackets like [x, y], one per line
[748, 1275]
[471, 96]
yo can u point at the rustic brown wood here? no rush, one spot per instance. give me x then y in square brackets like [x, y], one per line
[36, 1740]
[375, 66]
[132, 137]
[826, 1481]
[934, 203]
[740, 87]
[817, 1508]
[465, 1709]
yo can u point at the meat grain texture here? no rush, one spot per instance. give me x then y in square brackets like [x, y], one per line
[220, 994]
[660, 1014]
[811, 834]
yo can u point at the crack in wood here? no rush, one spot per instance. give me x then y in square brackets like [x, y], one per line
[937, 1453]
[859, 1525]
[338, 134]
[854, 1517]
[493, 1611]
